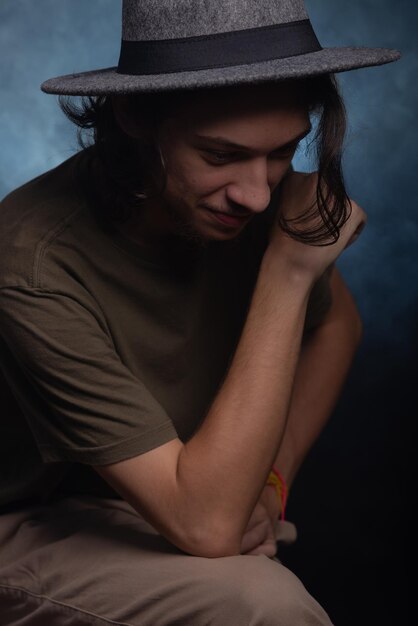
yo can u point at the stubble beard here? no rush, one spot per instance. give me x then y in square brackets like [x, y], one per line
[183, 227]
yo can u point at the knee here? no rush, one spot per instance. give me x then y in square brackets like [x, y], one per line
[257, 591]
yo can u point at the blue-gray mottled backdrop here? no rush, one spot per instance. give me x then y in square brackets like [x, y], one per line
[351, 499]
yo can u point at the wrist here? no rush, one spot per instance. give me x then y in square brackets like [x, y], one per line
[295, 276]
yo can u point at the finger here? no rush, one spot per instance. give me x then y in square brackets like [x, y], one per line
[354, 225]
[255, 537]
[356, 234]
[258, 515]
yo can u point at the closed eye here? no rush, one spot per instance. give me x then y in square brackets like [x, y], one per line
[238, 151]
[221, 157]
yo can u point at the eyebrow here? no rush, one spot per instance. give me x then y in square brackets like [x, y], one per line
[230, 144]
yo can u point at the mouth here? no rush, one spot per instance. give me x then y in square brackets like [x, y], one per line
[227, 219]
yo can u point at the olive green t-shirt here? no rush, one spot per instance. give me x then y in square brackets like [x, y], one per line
[109, 349]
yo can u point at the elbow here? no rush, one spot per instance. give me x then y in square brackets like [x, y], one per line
[212, 550]
[210, 541]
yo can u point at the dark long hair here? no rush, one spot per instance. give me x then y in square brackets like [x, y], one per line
[133, 170]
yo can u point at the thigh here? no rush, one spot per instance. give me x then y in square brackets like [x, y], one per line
[96, 561]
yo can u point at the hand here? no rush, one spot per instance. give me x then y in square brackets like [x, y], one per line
[260, 534]
[298, 194]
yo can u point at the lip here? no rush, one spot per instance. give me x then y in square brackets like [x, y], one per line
[228, 220]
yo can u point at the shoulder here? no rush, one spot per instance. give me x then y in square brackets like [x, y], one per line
[32, 217]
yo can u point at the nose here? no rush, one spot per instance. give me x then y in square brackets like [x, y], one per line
[251, 188]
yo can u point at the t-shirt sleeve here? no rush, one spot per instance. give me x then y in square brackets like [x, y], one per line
[81, 402]
[320, 301]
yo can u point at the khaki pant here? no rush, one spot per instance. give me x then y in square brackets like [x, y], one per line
[94, 561]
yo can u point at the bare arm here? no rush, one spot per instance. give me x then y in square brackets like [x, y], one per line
[324, 363]
[196, 494]
[323, 367]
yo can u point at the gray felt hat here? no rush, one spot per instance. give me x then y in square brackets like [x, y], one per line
[180, 44]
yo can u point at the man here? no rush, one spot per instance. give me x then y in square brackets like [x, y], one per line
[173, 326]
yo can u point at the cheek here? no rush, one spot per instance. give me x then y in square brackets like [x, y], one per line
[194, 179]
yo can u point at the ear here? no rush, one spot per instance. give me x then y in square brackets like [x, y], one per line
[128, 116]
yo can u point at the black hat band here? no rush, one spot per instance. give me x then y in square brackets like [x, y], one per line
[240, 47]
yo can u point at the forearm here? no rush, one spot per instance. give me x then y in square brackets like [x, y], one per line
[324, 363]
[201, 493]
[245, 423]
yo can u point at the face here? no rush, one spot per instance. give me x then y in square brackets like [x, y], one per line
[224, 157]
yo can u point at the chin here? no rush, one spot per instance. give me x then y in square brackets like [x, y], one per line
[225, 236]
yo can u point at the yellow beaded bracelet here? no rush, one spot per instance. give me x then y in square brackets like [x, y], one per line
[277, 481]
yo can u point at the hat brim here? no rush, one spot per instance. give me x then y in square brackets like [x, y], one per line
[329, 60]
